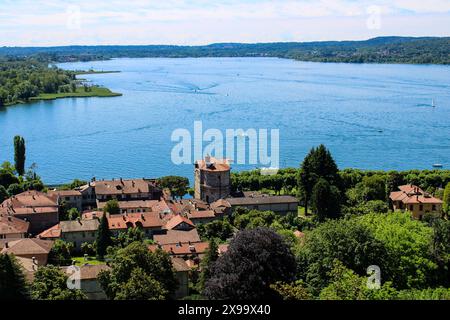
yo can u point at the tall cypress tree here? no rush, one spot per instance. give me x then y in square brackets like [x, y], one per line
[317, 164]
[19, 154]
[13, 285]
[211, 256]
[103, 237]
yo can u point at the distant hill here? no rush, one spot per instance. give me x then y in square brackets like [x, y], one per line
[426, 50]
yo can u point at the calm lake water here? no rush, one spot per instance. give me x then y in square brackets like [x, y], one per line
[370, 116]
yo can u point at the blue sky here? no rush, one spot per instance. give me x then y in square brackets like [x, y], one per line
[195, 22]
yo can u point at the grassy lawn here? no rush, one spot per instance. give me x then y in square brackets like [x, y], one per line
[95, 92]
[90, 260]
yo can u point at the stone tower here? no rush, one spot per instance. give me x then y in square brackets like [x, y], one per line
[212, 179]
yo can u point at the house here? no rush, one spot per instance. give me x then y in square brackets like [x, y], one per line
[182, 275]
[140, 206]
[77, 232]
[35, 249]
[264, 202]
[183, 250]
[413, 199]
[88, 197]
[177, 236]
[199, 211]
[89, 284]
[212, 179]
[150, 222]
[68, 198]
[13, 228]
[201, 216]
[126, 190]
[178, 222]
[39, 209]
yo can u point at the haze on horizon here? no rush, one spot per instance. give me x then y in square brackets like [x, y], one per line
[200, 22]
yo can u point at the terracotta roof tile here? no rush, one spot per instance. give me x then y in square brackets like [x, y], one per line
[12, 225]
[28, 246]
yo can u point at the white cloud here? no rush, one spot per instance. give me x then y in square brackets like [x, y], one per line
[201, 21]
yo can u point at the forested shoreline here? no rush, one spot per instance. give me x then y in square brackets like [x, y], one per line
[407, 50]
[26, 79]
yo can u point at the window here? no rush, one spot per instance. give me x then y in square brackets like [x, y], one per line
[421, 207]
[411, 207]
[434, 207]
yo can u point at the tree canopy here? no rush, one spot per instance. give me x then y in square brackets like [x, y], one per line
[256, 258]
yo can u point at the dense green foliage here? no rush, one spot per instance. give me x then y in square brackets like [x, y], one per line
[112, 207]
[377, 50]
[13, 285]
[50, 283]
[61, 253]
[220, 229]
[138, 273]
[178, 186]
[22, 79]
[446, 199]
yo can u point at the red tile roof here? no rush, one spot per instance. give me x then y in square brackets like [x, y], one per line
[51, 233]
[12, 225]
[216, 165]
[122, 186]
[124, 221]
[201, 214]
[411, 194]
[183, 249]
[29, 202]
[177, 220]
[28, 246]
[176, 236]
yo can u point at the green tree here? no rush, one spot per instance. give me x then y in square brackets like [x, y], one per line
[292, 291]
[14, 189]
[61, 253]
[325, 200]
[221, 229]
[3, 194]
[425, 294]
[157, 265]
[50, 283]
[112, 207]
[88, 248]
[210, 258]
[103, 240]
[131, 235]
[178, 186]
[19, 155]
[409, 260]
[13, 285]
[317, 164]
[446, 199]
[346, 285]
[141, 286]
[347, 240]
